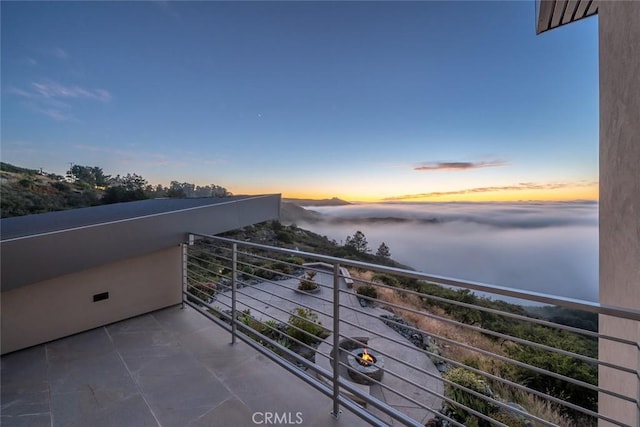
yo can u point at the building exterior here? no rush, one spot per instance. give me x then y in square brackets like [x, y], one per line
[70, 271]
[619, 63]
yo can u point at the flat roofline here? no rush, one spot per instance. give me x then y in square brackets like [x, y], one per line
[29, 226]
[68, 242]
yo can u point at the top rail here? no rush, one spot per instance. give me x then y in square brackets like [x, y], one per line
[590, 306]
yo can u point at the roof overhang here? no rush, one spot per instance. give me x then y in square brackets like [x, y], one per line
[551, 14]
[53, 250]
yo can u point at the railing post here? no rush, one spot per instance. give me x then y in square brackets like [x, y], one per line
[234, 269]
[184, 271]
[336, 340]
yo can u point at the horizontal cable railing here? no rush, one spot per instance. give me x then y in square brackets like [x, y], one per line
[397, 345]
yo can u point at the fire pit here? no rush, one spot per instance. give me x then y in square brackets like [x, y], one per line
[365, 365]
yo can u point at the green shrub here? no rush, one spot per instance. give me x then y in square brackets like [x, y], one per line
[84, 185]
[201, 291]
[307, 321]
[471, 362]
[61, 186]
[282, 267]
[471, 421]
[509, 420]
[295, 260]
[264, 273]
[307, 283]
[367, 291]
[246, 318]
[471, 381]
[386, 279]
[247, 271]
[284, 236]
[271, 329]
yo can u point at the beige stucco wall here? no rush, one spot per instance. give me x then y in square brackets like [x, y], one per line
[63, 306]
[619, 46]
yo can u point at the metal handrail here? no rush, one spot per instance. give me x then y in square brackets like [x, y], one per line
[544, 298]
[337, 384]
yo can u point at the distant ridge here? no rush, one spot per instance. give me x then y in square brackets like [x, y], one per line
[334, 201]
[291, 213]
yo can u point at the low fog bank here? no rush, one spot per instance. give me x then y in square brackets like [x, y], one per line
[503, 215]
[544, 247]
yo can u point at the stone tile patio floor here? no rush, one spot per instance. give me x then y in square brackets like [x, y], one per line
[268, 300]
[172, 367]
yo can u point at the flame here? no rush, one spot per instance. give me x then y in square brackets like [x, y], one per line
[367, 359]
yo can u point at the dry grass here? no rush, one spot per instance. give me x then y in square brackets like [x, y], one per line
[540, 408]
[434, 326]
[443, 329]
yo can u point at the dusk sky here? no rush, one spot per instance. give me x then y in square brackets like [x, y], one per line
[366, 101]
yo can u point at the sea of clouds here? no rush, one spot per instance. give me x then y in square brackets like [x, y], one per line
[544, 247]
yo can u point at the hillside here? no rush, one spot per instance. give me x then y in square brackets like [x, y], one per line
[28, 191]
[292, 213]
[274, 233]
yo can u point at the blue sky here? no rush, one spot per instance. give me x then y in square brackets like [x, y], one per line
[362, 100]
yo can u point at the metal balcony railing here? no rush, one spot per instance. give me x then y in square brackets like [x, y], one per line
[448, 352]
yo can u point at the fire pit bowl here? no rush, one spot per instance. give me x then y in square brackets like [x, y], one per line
[365, 365]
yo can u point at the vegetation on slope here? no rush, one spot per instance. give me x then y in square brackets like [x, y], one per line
[431, 300]
[29, 191]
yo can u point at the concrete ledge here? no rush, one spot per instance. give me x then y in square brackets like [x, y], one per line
[347, 277]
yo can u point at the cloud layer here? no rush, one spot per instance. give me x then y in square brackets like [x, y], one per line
[543, 247]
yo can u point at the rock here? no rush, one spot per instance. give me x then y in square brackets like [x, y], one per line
[441, 366]
[418, 339]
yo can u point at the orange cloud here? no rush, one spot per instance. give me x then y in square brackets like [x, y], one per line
[472, 193]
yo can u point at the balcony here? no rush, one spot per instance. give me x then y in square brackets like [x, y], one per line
[172, 367]
[249, 347]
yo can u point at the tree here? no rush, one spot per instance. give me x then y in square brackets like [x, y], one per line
[186, 189]
[383, 251]
[180, 189]
[358, 242]
[92, 175]
[176, 193]
[100, 178]
[83, 174]
[211, 191]
[125, 189]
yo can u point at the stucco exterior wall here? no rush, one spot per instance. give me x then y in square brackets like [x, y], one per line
[619, 49]
[62, 306]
